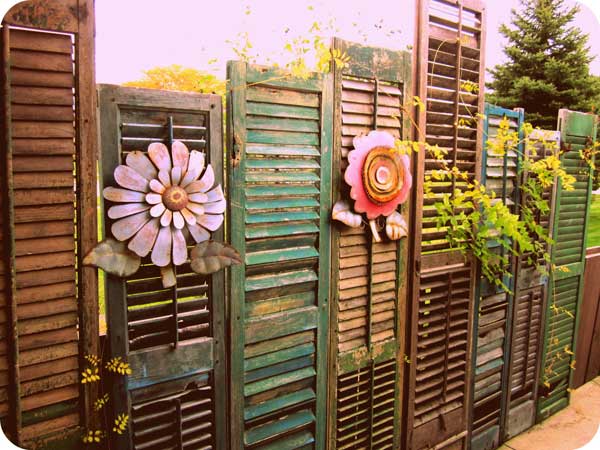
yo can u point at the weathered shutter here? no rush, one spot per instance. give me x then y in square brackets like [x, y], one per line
[449, 63]
[280, 205]
[529, 302]
[172, 338]
[578, 131]
[368, 289]
[42, 164]
[492, 324]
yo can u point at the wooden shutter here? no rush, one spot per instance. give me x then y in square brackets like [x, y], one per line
[578, 131]
[492, 324]
[449, 59]
[528, 311]
[42, 170]
[368, 288]
[280, 205]
[172, 338]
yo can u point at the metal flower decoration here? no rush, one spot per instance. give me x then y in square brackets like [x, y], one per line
[380, 180]
[163, 198]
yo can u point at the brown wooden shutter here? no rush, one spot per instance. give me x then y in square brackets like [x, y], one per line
[449, 58]
[369, 280]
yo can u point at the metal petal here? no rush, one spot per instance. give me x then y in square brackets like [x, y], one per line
[161, 253]
[159, 154]
[157, 210]
[194, 169]
[139, 162]
[119, 211]
[153, 198]
[179, 248]
[178, 220]
[122, 195]
[198, 197]
[188, 216]
[130, 179]
[195, 208]
[143, 241]
[205, 183]
[165, 220]
[125, 228]
[157, 186]
[198, 233]
[181, 155]
[215, 208]
[175, 175]
[210, 221]
[215, 194]
[164, 178]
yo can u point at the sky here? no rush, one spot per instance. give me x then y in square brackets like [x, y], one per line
[136, 35]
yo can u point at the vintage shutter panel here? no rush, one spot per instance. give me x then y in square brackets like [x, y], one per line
[527, 317]
[173, 338]
[449, 58]
[42, 119]
[280, 204]
[492, 324]
[368, 279]
[578, 130]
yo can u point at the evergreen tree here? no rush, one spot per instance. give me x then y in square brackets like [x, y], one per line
[548, 63]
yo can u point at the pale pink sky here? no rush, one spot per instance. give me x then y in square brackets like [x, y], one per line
[135, 35]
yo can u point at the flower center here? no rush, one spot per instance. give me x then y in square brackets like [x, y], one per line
[382, 175]
[175, 198]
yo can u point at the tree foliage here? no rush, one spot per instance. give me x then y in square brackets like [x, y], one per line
[178, 78]
[548, 63]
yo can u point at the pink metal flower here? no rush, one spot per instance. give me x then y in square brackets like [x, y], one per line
[378, 175]
[161, 198]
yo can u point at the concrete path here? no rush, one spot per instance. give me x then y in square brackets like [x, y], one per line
[569, 429]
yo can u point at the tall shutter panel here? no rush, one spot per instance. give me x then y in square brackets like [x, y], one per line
[368, 278]
[172, 338]
[500, 175]
[42, 130]
[280, 185]
[529, 303]
[450, 58]
[578, 130]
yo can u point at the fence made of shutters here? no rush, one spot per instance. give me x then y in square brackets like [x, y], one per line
[368, 287]
[492, 322]
[47, 182]
[280, 150]
[530, 296]
[450, 70]
[173, 338]
[578, 131]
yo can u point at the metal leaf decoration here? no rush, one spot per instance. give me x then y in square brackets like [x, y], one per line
[113, 257]
[210, 256]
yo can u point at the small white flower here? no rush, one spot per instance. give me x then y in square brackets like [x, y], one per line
[162, 195]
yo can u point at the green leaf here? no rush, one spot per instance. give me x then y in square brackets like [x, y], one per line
[114, 258]
[210, 256]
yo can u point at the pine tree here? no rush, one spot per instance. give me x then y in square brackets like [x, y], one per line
[548, 64]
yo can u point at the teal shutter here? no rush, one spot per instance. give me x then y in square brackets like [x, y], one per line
[173, 339]
[368, 286]
[280, 188]
[578, 131]
[491, 339]
[529, 303]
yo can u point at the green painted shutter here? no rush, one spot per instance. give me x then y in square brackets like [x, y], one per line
[492, 324]
[450, 47]
[280, 203]
[527, 318]
[173, 338]
[368, 289]
[578, 130]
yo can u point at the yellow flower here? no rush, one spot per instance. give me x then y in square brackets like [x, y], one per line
[90, 375]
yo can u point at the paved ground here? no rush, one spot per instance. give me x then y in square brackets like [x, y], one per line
[570, 429]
